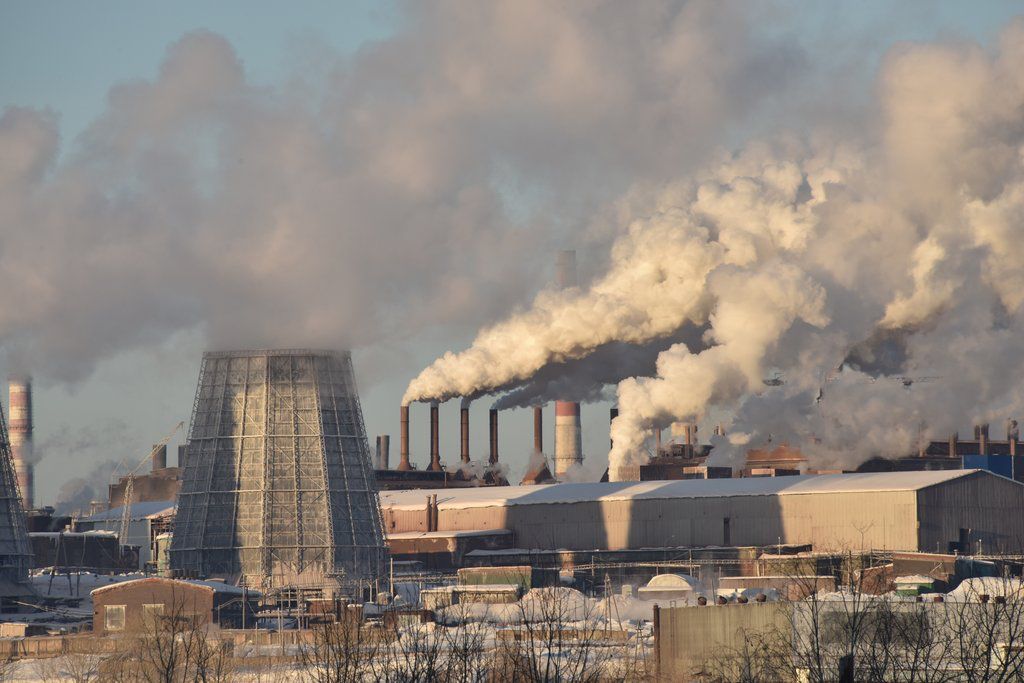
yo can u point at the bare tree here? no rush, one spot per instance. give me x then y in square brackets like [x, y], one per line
[558, 639]
[340, 652]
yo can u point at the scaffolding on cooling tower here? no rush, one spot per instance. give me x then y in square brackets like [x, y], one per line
[277, 489]
[15, 551]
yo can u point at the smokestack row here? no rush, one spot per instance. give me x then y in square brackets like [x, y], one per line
[405, 464]
[20, 433]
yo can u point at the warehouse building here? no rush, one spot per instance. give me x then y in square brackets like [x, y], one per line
[965, 510]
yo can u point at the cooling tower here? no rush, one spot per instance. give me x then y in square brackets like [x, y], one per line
[278, 490]
[15, 550]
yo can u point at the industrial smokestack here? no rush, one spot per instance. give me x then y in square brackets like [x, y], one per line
[953, 439]
[568, 433]
[657, 441]
[404, 465]
[568, 437]
[182, 456]
[159, 457]
[538, 429]
[464, 435]
[384, 461]
[981, 436]
[435, 439]
[1012, 435]
[493, 460]
[612, 414]
[20, 433]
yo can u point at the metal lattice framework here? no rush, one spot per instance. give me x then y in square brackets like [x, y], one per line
[15, 550]
[278, 490]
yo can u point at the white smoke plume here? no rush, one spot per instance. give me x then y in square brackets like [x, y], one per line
[894, 251]
[407, 186]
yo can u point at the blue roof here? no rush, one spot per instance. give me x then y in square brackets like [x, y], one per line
[138, 511]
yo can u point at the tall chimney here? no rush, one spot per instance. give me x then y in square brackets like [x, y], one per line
[159, 457]
[435, 443]
[612, 414]
[953, 439]
[182, 456]
[20, 433]
[464, 434]
[493, 460]
[981, 434]
[568, 437]
[568, 434]
[404, 465]
[657, 441]
[384, 458]
[1012, 435]
[689, 440]
[538, 429]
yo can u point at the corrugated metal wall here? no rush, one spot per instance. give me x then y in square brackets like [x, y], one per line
[878, 520]
[986, 505]
[688, 636]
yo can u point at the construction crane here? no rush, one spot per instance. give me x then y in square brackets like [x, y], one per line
[129, 486]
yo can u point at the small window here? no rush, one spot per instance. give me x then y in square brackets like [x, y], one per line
[114, 617]
[151, 611]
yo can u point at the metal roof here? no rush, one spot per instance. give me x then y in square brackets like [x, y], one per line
[498, 496]
[215, 586]
[138, 511]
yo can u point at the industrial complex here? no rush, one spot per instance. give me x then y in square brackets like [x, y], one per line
[279, 517]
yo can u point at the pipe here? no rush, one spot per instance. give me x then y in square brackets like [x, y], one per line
[404, 465]
[435, 440]
[538, 429]
[493, 460]
[384, 459]
[464, 434]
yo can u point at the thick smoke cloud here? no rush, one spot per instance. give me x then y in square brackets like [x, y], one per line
[877, 275]
[410, 185]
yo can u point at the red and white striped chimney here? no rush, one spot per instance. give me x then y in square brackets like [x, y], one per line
[568, 433]
[20, 431]
[568, 437]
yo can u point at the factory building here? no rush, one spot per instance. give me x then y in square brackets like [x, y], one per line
[921, 511]
[278, 490]
[146, 520]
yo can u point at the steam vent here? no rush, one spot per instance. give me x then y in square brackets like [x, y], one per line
[15, 551]
[278, 490]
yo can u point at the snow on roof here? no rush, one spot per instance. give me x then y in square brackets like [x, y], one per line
[406, 535]
[138, 511]
[500, 496]
[216, 586]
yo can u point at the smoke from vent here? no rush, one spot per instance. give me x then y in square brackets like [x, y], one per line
[877, 276]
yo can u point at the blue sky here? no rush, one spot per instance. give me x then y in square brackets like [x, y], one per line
[65, 56]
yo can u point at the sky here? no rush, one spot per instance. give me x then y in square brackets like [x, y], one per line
[458, 148]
